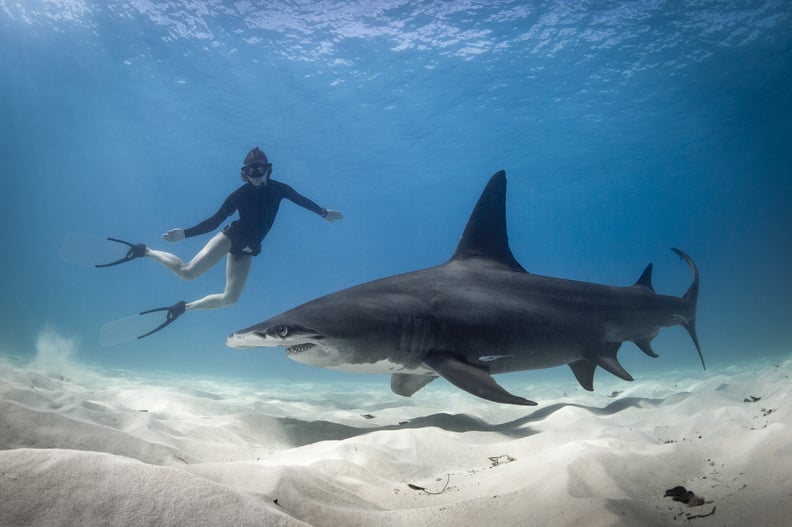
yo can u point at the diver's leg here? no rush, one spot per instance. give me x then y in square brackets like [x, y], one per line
[237, 270]
[206, 258]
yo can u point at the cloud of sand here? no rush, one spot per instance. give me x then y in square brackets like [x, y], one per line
[54, 352]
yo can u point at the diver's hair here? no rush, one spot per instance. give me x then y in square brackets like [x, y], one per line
[254, 156]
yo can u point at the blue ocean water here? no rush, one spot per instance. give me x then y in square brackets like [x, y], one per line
[625, 128]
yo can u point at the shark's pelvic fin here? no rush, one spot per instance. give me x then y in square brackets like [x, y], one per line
[606, 359]
[646, 347]
[646, 278]
[584, 368]
[611, 364]
[584, 373]
[472, 379]
[406, 384]
[485, 235]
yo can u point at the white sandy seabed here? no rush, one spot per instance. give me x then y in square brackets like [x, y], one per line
[91, 447]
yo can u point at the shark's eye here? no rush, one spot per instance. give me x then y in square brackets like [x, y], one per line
[283, 331]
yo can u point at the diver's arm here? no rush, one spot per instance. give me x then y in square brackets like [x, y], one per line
[208, 225]
[298, 199]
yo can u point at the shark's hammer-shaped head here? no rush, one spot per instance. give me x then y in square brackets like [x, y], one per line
[302, 343]
[328, 332]
[267, 335]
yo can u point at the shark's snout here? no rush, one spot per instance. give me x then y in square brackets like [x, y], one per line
[294, 338]
[249, 339]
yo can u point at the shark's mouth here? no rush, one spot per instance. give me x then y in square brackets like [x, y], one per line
[299, 348]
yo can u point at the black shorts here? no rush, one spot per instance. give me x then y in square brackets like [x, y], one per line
[240, 246]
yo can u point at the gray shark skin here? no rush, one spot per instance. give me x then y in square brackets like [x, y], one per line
[476, 315]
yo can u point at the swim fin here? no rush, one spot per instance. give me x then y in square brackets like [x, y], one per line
[174, 312]
[136, 250]
[138, 326]
[88, 249]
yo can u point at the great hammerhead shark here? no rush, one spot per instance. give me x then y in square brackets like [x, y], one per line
[478, 314]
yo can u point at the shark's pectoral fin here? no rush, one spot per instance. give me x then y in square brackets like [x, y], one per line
[406, 384]
[472, 379]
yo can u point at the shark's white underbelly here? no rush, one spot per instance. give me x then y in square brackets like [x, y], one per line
[383, 366]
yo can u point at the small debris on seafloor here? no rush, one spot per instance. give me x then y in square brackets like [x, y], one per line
[751, 399]
[614, 393]
[423, 489]
[500, 460]
[688, 497]
[694, 516]
[367, 416]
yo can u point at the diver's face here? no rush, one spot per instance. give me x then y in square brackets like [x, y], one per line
[259, 182]
[258, 173]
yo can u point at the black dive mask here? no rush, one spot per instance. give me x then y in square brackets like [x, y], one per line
[258, 170]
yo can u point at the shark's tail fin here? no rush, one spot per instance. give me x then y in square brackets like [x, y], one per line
[688, 320]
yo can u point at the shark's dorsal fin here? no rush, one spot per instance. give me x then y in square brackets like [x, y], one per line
[646, 278]
[485, 234]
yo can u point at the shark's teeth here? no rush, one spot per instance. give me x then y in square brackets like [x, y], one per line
[299, 348]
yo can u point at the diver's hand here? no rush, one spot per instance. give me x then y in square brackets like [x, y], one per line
[333, 215]
[174, 235]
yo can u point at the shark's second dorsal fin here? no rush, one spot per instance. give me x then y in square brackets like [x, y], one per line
[485, 234]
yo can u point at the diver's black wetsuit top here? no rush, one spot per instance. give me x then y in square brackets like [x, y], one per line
[257, 210]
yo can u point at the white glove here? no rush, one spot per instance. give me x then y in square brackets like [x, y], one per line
[333, 215]
[174, 235]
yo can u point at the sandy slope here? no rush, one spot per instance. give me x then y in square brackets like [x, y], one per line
[103, 448]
